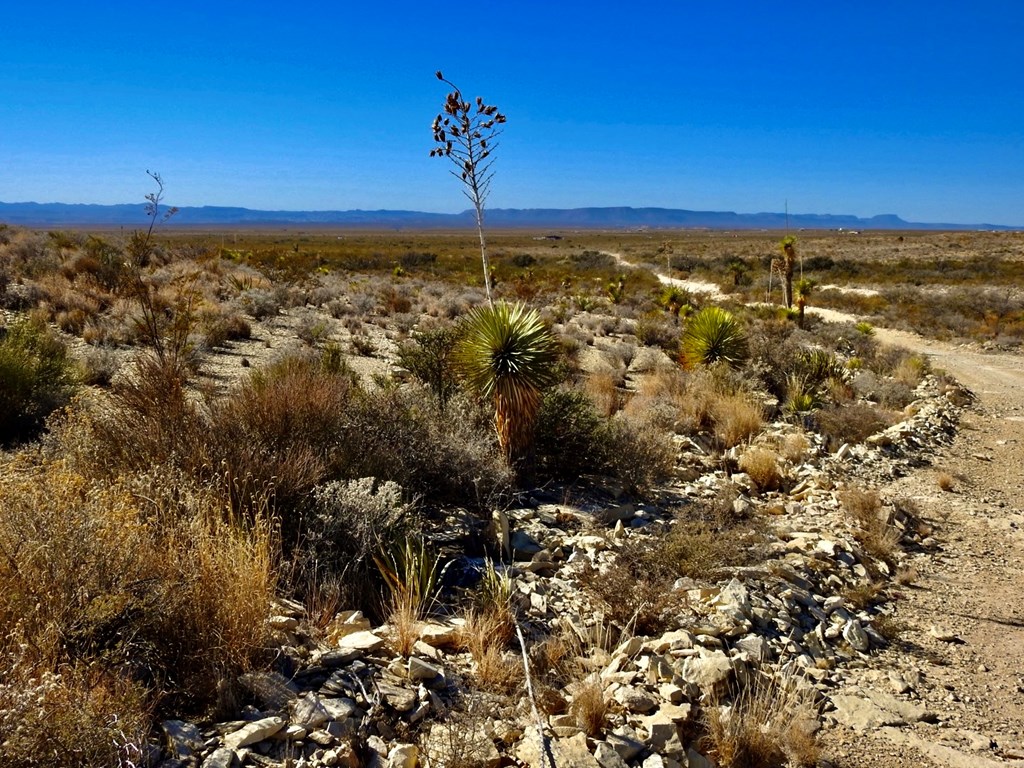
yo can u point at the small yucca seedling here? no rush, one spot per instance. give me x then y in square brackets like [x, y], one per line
[865, 328]
[507, 354]
[714, 336]
[411, 577]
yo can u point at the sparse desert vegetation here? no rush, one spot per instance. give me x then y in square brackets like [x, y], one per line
[219, 447]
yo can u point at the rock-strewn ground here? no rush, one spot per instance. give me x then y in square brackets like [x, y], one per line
[946, 689]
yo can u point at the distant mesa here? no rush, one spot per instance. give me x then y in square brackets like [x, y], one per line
[133, 215]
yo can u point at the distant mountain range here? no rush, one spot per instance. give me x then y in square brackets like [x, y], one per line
[133, 215]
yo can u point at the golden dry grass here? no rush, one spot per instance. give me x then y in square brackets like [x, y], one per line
[770, 723]
[167, 583]
[762, 464]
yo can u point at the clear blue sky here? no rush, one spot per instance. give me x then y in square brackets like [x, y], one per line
[915, 108]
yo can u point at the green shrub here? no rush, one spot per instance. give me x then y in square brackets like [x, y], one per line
[430, 357]
[36, 378]
[712, 336]
[568, 440]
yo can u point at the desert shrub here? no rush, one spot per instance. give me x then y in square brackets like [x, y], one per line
[351, 522]
[712, 336]
[706, 538]
[656, 331]
[852, 423]
[636, 453]
[634, 595]
[402, 435]
[98, 366]
[232, 327]
[147, 420]
[762, 465]
[592, 260]
[261, 303]
[36, 378]
[283, 432]
[81, 717]
[430, 357]
[568, 440]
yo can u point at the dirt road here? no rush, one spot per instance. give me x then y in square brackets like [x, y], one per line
[971, 592]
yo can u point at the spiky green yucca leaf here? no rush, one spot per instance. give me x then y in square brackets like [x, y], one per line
[507, 354]
[712, 336]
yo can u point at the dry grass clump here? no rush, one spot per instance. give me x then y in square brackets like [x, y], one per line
[488, 631]
[875, 531]
[770, 723]
[762, 464]
[147, 571]
[496, 668]
[711, 401]
[589, 705]
[603, 389]
[945, 481]
[737, 418]
[795, 447]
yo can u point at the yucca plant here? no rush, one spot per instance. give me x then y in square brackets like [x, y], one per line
[675, 300]
[714, 336]
[802, 290]
[412, 578]
[788, 261]
[507, 354]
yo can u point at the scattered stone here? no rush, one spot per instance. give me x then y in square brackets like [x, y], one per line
[254, 732]
[943, 634]
[183, 739]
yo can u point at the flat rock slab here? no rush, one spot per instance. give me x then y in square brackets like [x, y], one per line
[361, 642]
[875, 710]
[254, 732]
[567, 753]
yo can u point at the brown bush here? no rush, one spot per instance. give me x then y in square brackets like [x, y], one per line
[852, 423]
[874, 530]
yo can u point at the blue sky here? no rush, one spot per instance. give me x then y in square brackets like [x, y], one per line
[915, 108]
